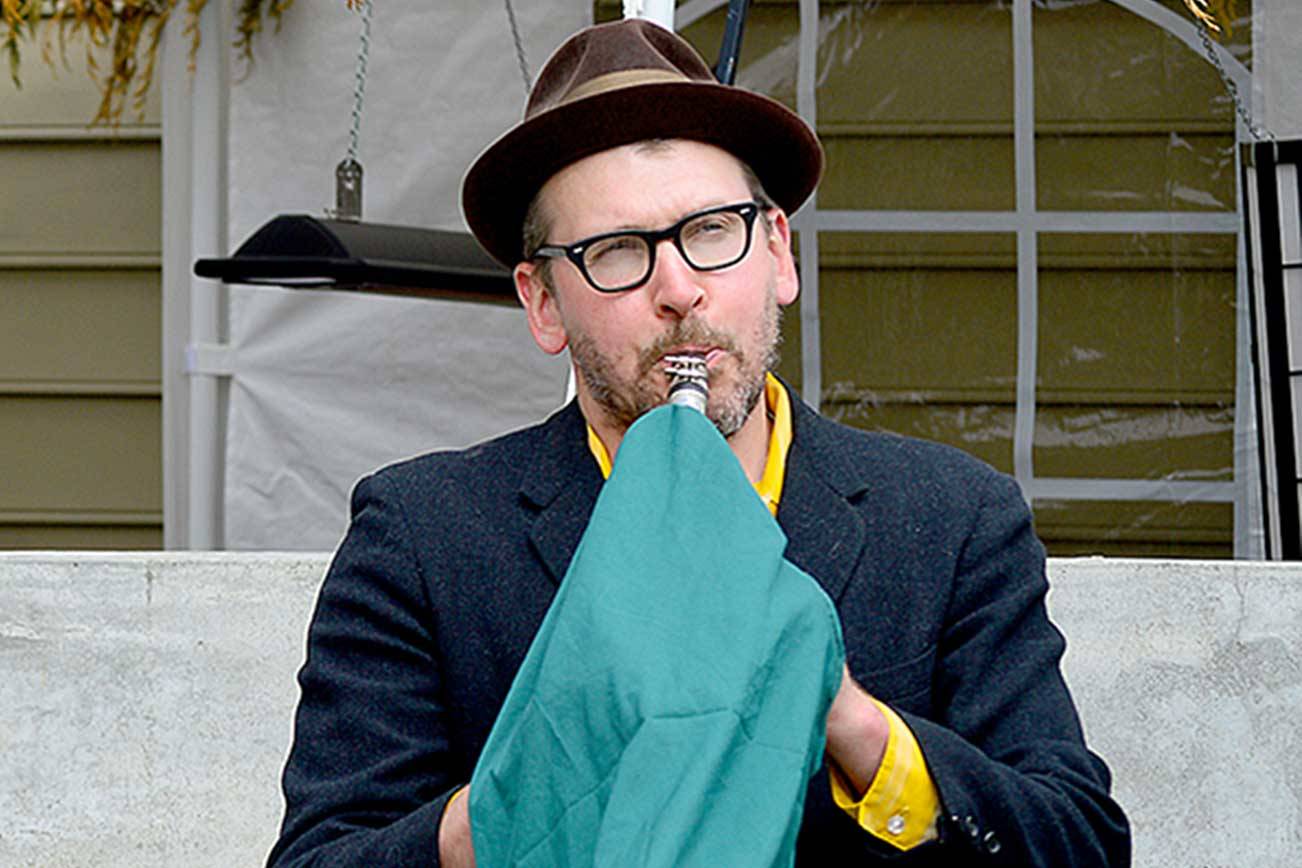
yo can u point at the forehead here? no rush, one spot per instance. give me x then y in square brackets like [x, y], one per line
[640, 186]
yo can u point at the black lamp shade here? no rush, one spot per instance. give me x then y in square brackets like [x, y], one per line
[301, 251]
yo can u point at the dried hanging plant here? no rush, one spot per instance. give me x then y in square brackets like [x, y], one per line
[1218, 15]
[125, 26]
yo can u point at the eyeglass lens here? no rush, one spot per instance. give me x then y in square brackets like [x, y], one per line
[709, 241]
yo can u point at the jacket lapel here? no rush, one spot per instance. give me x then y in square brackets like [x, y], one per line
[562, 487]
[826, 535]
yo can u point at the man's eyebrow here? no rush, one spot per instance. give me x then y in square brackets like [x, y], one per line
[632, 227]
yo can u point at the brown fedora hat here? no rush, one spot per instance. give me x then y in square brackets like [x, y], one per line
[622, 82]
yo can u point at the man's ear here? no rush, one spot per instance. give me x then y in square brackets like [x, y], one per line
[540, 307]
[786, 280]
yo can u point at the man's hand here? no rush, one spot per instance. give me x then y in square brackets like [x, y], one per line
[856, 733]
[456, 849]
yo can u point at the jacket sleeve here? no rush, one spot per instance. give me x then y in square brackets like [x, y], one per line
[1005, 749]
[367, 776]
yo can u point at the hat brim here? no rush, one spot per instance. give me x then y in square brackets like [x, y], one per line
[761, 132]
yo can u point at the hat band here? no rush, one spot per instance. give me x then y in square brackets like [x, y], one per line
[622, 79]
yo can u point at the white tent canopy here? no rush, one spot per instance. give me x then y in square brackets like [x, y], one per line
[285, 398]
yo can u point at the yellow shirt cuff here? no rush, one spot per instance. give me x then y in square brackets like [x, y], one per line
[901, 806]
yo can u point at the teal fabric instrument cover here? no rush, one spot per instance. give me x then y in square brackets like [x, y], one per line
[672, 707]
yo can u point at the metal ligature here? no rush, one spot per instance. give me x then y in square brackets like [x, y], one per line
[689, 380]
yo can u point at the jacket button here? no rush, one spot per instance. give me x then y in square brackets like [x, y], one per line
[895, 825]
[992, 843]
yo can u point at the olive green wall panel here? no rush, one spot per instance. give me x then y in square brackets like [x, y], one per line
[1136, 335]
[1135, 442]
[1199, 251]
[1163, 171]
[79, 454]
[789, 366]
[984, 430]
[868, 250]
[1136, 529]
[1158, 442]
[80, 536]
[81, 198]
[909, 65]
[918, 173]
[1118, 529]
[1101, 63]
[943, 334]
[80, 329]
[80, 332]
[1158, 172]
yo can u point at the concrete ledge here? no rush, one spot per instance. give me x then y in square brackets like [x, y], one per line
[1189, 680]
[146, 703]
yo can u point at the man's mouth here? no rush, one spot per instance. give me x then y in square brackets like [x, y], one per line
[687, 339]
[712, 355]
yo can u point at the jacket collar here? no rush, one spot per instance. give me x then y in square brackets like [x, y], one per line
[561, 484]
[825, 533]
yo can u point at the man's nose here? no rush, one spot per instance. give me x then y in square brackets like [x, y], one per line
[675, 285]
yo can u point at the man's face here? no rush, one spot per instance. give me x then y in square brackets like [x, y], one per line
[618, 341]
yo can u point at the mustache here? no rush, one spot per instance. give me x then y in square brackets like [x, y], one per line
[693, 332]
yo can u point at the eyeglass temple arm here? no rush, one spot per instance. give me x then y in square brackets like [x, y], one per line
[726, 69]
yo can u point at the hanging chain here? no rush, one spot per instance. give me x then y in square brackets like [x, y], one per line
[1214, 57]
[348, 174]
[359, 87]
[519, 48]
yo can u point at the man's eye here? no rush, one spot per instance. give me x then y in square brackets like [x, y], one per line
[713, 226]
[618, 246]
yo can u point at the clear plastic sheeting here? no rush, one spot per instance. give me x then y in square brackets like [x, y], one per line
[325, 387]
[1027, 246]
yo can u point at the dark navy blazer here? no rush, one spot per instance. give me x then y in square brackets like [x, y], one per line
[452, 559]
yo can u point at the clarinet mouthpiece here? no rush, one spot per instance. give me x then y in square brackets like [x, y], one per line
[689, 380]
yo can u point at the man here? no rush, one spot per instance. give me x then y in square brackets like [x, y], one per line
[645, 210]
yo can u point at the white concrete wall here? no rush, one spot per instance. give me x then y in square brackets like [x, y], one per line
[146, 705]
[146, 702]
[1189, 681]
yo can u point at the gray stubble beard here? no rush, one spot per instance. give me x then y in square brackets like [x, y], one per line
[625, 402]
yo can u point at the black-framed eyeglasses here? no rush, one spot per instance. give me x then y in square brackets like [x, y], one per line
[617, 261]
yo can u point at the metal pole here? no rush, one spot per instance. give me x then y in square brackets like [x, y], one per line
[194, 225]
[726, 69]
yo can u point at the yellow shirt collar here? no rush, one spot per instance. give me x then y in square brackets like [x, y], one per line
[769, 487]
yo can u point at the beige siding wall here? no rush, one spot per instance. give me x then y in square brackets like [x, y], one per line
[80, 371]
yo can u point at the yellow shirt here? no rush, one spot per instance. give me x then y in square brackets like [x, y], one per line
[901, 805]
